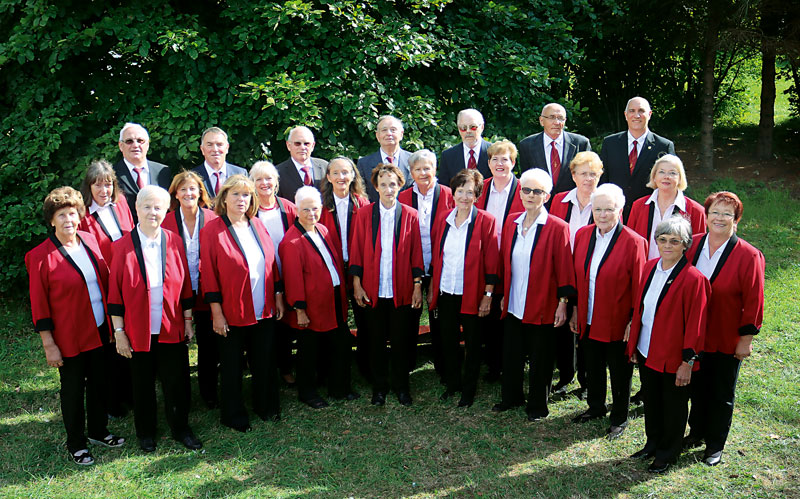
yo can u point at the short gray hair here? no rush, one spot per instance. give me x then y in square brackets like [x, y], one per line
[297, 129]
[213, 129]
[389, 117]
[152, 191]
[132, 125]
[611, 191]
[420, 155]
[678, 226]
[307, 192]
[469, 111]
[538, 175]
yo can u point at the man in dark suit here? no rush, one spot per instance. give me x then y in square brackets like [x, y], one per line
[553, 149]
[629, 156]
[300, 169]
[215, 170]
[389, 133]
[470, 153]
[134, 170]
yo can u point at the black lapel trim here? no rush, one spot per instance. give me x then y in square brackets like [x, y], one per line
[414, 203]
[700, 244]
[284, 216]
[137, 248]
[672, 276]
[650, 216]
[722, 258]
[590, 250]
[307, 237]
[336, 219]
[511, 194]
[258, 239]
[539, 228]
[617, 232]
[116, 219]
[471, 227]
[352, 207]
[163, 257]
[61, 249]
[96, 216]
[376, 222]
[179, 221]
[569, 213]
[398, 216]
[591, 218]
[235, 237]
[436, 192]
[444, 238]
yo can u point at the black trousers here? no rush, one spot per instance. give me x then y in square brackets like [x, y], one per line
[492, 331]
[362, 337]
[436, 335]
[207, 356]
[666, 408]
[451, 322]
[337, 347]
[389, 322]
[258, 341]
[537, 341]
[117, 384]
[713, 392]
[599, 356]
[169, 362]
[284, 337]
[82, 376]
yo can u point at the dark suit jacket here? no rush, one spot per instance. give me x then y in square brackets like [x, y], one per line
[367, 163]
[531, 155]
[208, 183]
[614, 155]
[452, 162]
[291, 180]
[159, 175]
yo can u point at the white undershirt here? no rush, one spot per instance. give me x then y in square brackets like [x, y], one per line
[650, 302]
[192, 245]
[105, 215]
[80, 256]
[680, 202]
[578, 218]
[600, 247]
[385, 288]
[342, 210]
[705, 263]
[326, 255]
[256, 266]
[496, 205]
[639, 142]
[452, 280]
[521, 264]
[273, 222]
[151, 250]
[425, 210]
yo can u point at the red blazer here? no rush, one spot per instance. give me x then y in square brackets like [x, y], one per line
[129, 290]
[480, 260]
[617, 282]
[513, 204]
[174, 222]
[551, 274]
[365, 254]
[736, 307]
[443, 202]
[288, 212]
[308, 282]
[330, 220]
[59, 299]
[641, 217]
[93, 225]
[679, 325]
[226, 276]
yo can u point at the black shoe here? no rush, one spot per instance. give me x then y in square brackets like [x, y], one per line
[643, 454]
[242, 429]
[404, 398]
[147, 444]
[658, 467]
[316, 403]
[637, 399]
[465, 401]
[614, 431]
[503, 407]
[446, 395]
[691, 441]
[352, 396]
[535, 416]
[190, 441]
[378, 398]
[712, 458]
[586, 416]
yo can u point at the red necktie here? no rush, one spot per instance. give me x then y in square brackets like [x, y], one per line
[472, 164]
[139, 177]
[555, 162]
[389, 159]
[632, 157]
[216, 186]
[307, 177]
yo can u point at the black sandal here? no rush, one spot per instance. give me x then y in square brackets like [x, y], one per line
[82, 457]
[109, 440]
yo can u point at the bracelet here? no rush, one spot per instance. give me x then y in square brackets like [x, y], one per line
[119, 330]
[563, 299]
[188, 318]
[278, 292]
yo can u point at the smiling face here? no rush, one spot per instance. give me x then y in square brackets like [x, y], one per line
[720, 219]
[464, 195]
[424, 172]
[388, 187]
[266, 186]
[151, 212]
[667, 177]
[637, 114]
[553, 119]
[670, 248]
[102, 191]
[300, 145]
[533, 195]
[340, 176]
[501, 165]
[237, 202]
[389, 134]
[134, 145]
[308, 211]
[188, 194]
[65, 222]
[215, 148]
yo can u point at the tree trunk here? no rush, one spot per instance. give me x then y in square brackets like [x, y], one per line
[766, 123]
[707, 101]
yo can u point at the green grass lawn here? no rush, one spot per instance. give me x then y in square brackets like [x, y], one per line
[432, 449]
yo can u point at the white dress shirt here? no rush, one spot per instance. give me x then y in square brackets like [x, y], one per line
[80, 256]
[300, 171]
[707, 263]
[496, 205]
[600, 247]
[455, 247]
[273, 222]
[639, 142]
[425, 211]
[476, 150]
[151, 250]
[212, 174]
[579, 217]
[521, 264]
[145, 172]
[256, 265]
[650, 302]
[548, 142]
[680, 202]
[326, 255]
[386, 284]
[192, 245]
[342, 211]
[105, 215]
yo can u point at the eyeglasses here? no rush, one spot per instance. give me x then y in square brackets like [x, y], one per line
[669, 240]
[587, 175]
[131, 141]
[464, 128]
[528, 191]
[298, 144]
[720, 214]
[665, 173]
[555, 117]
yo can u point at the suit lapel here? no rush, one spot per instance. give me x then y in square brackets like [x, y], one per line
[284, 216]
[137, 249]
[511, 195]
[651, 213]
[672, 276]
[645, 152]
[724, 256]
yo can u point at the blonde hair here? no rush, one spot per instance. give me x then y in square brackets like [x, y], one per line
[233, 182]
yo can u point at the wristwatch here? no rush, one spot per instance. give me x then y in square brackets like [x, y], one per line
[487, 293]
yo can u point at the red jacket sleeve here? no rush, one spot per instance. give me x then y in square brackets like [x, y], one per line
[695, 308]
[491, 253]
[565, 273]
[38, 285]
[208, 270]
[751, 280]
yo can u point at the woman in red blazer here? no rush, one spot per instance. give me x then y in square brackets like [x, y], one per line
[464, 276]
[536, 269]
[735, 314]
[242, 285]
[432, 202]
[500, 197]
[188, 215]
[277, 214]
[668, 181]
[315, 289]
[68, 278]
[108, 219]
[667, 334]
[150, 303]
[343, 195]
[608, 261]
[386, 264]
